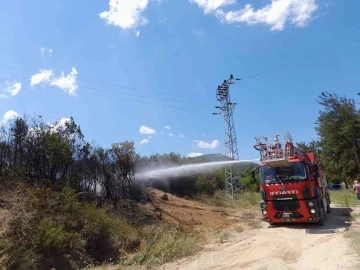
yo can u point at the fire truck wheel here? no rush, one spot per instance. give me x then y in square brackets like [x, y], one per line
[328, 210]
[321, 221]
[328, 204]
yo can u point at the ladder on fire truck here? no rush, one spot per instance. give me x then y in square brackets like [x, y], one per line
[276, 150]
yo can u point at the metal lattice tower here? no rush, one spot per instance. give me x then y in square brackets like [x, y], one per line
[227, 110]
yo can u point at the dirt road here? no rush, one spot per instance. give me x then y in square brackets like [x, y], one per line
[280, 247]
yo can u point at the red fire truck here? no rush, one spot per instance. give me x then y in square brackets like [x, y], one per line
[292, 185]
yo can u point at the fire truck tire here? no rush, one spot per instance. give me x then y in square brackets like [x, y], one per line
[328, 204]
[321, 221]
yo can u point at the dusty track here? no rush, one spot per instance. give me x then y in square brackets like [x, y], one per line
[280, 247]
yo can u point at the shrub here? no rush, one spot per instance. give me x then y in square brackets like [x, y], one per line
[164, 244]
[242, 199]
[53, 229]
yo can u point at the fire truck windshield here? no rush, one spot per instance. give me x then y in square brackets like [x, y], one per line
[293, 172]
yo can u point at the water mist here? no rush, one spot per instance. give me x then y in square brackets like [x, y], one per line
[186, 170]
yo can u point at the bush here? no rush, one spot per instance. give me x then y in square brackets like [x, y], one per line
[241, 199]
[53, 229]
[164, 244]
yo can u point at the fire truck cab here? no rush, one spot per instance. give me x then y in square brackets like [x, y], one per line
[293, 187]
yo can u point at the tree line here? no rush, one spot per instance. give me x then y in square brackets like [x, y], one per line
[57, 155]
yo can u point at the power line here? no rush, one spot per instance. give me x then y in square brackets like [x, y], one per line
[115, 85]
[147, 103]
[275, 71]
[163, 99]
[295, 60]
[280, 70]
[124, 93]
[318, 62]
[129, 100]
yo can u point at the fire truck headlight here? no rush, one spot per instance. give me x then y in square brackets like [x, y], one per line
[312, 211]
[264, 212]
[311, 204]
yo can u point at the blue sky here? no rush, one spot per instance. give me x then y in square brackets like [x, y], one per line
[104, 62]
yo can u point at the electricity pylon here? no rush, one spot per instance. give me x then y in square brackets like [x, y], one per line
[227, 110]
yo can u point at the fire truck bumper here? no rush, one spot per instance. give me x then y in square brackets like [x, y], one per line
[294, 211]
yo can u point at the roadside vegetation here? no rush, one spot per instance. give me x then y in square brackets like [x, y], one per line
[68, 204]
[343, 197]
[247, 199]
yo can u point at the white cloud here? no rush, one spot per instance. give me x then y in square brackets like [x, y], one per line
[170, 134]
[201, 144]
[12, 89]
[137, 33]
[59, 125]
[67, 82]
[42, 77]
[44, 50]
[144, 141]
[147, 130]
[198, 33]
[163, 20]
[181, 135]
[167, 127]
[45, 53]
[276, 14]
[211, 5]
[62, 122]
[8, 116]
[195, 154]
[125, 14]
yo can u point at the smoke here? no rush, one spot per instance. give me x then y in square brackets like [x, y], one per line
[185, 170]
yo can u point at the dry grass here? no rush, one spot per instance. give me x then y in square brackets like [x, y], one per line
[354, 233]
[222, 236]
[255, 224]
[343, 197]
[247, 200]
[164, 244]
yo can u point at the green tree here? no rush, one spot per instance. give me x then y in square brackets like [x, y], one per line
[312, 146]
[123, 165]
[338, 127]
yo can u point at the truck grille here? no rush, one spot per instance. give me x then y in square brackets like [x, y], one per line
[285, 205]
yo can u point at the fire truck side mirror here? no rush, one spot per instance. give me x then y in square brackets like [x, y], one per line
[316, 170]
[253, 178]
